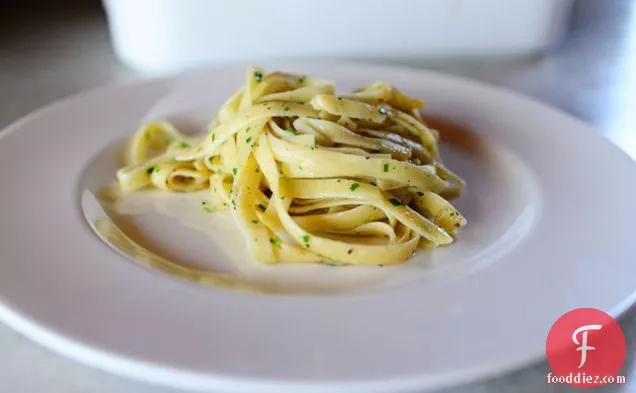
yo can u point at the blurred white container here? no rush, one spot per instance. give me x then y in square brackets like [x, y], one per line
[164, 36]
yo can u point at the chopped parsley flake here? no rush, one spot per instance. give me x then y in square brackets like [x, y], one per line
[339, 98]
[395, 202]
[291, 131]
[233, 202]
[354, 186]
[184, 145]
[263, 208]
[150, 170]
[286, 108]
[306, 238]
[234, 170]
[386, 167]
[207, 209]
[258, 76]
[247, 129]
[382, 111]
[276, 241]
[213, 137]
[249, 138]
[301, 80]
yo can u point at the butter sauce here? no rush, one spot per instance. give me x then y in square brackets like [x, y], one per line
[110, 216]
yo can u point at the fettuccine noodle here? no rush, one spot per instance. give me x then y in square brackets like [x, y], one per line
[311, 176]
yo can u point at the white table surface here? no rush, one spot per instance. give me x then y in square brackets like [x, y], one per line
[592, 76]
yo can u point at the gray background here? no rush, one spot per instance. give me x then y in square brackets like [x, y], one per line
[52, 49]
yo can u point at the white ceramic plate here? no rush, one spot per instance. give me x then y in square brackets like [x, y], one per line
[550, 210]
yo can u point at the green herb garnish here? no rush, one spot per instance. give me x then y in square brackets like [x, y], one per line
[291, 131]
[184, 145]
[234, 170]
[263, 208]
[386, 167]
[354, 186]
[247, 129]
[258, 76]
[286, 108]
[150, 170]
[301, 80]
[213, 137]
[395, 202]
[276, 241]
[248, 139]
[306, 238]
[382, 111]
[207, 209]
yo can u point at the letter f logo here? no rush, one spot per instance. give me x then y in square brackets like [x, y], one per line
[583, 344]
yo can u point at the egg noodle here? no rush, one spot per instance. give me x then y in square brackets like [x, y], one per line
[310, 176]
